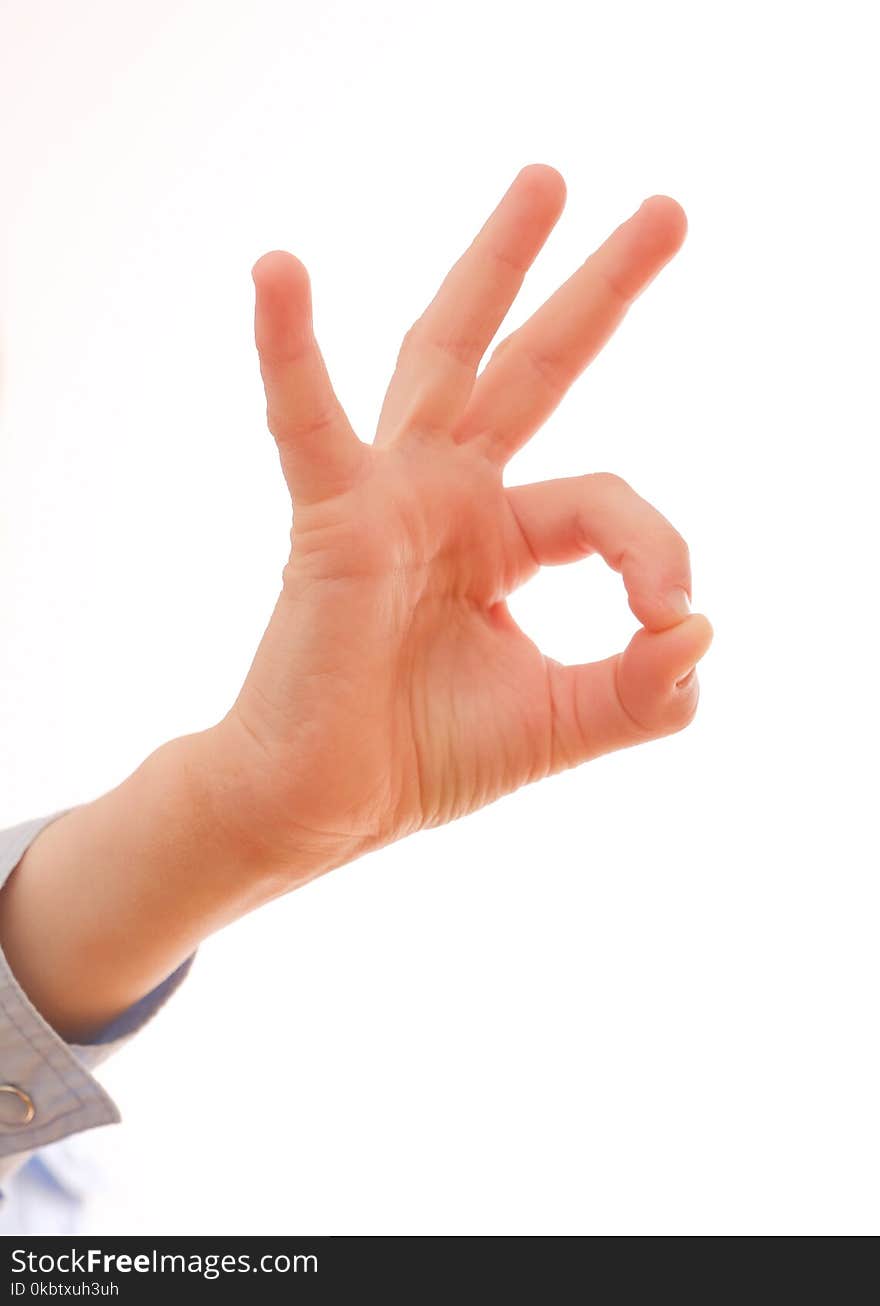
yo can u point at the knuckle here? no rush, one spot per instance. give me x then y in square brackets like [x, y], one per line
[411, 339]
[547, 370]
[583, 539]
[680, 542]
[617, 287]
[289, 427]
[609, 481]
[677, 547]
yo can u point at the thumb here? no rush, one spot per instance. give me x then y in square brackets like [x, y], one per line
[647, 691]
[655, 684]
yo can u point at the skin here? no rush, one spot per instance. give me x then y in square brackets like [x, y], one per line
[392, 689]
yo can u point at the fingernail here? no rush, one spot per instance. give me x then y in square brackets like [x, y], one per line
[679, 602]
[686, 680]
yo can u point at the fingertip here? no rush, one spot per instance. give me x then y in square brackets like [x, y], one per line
[667, 212]
[279, 267]
[282, 302]
[701, 634]
[656, 660]
[547, 180]
[708, 630]
[689, 642]
[661, 226]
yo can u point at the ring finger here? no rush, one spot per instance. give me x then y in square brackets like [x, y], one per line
[530, 371]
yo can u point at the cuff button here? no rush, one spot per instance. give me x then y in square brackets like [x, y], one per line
[16, 1107]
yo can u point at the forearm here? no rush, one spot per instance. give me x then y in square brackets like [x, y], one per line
[114, 895]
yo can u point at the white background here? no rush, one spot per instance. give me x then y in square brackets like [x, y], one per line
[639, 998]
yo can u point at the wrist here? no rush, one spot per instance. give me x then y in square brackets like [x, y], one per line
[222, 847]
[257, 811]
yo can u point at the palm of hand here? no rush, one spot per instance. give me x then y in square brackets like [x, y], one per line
[429, 700]
[392, 689]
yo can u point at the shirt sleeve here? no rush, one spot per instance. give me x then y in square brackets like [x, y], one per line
[47, 1090]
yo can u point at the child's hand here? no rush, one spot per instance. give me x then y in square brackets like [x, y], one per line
[392, 689]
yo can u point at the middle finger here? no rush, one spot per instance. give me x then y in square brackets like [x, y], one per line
[441, 352]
